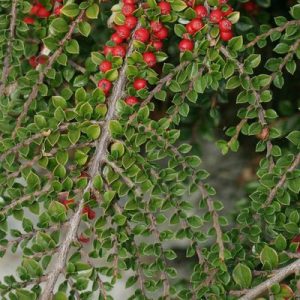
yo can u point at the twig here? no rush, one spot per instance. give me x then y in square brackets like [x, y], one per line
[277, 277]
[281, 182]
[215, 218]
[5, 71]
[97, 160]
[269, 32]
[42, 74]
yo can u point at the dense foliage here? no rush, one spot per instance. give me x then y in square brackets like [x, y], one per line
[97, 182]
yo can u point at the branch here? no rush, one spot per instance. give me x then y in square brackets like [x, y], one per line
[34, 92]
[97, 160]
[5, 71]
[215, 217]
[277, 277]
[269, 32]
[282, 180]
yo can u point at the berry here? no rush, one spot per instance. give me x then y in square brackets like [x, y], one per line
[128, 9]
[156, 26]
[105, 85]
[222, 2]
[43, 13]
[123, 31]
[119, 51]
[107, 50]
[226, 35]
[83, 239]
[131, 100]
[142, 35]
[162, 34]
[149, 59]
[32, 61]
[57, 10]
[189, 28]
[42, 59]
[129, 1]
[67, 202]
[216, 16]
[116, 38]
[28, 20]
[165, 7]
[196, 24]
[139, 84]
[34, 9]
[225, 25]
[105, 66]
[157, 44]
[186, 45]
[201, 11]
[250, 6]
[228, 10]
[90, 213]
[131, 21]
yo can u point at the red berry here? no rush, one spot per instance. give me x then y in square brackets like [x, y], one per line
[162, 34]
[196, 24]
[156, 26]
[83, 239]
[32, 61]
[201, 11]
[226, 35]
[189, 28]
[228, 10]
[157, 44]
[225, 25]
[222, 2]
[57, 10]
[250, 6]
[105, 85]
[107, 50]
[128, 9]
[34, 9]
[131, 100]
[129, 1]
[119, 51]
[28, 20]
[186, 45]
[165, 7]
[116, 38]
[139, 84]
[105, 66]
[43, 13]
[42, 59]
[296, 239]
[149, 59]
[142, 35]
[123, 31]
[131, 21]
[67, 202]
[91, 214]
[216, 16]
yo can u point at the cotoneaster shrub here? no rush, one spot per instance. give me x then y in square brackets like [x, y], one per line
[96, 181]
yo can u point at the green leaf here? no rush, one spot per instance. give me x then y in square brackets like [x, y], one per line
[242, 275]
[93, 131]
[236, 43]
[60, 296]
[72, 47]
[70, 10]
[295, 11]
[57, 211]
[25, 295]
[84, 28]
[93, 11]
[268, 257]
[280, 242]
[32, 267]
[115, 128]
[178, 5]
[294, 137]
[59, 25]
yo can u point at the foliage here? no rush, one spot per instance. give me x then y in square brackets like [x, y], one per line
[95, 188]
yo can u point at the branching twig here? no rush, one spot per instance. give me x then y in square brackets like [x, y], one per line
[97, 161]
[34, 92]
[6, 66]
[282, 180]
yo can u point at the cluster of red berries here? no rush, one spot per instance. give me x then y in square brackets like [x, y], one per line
[38, 10]
[216, 16]
[153, 37]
